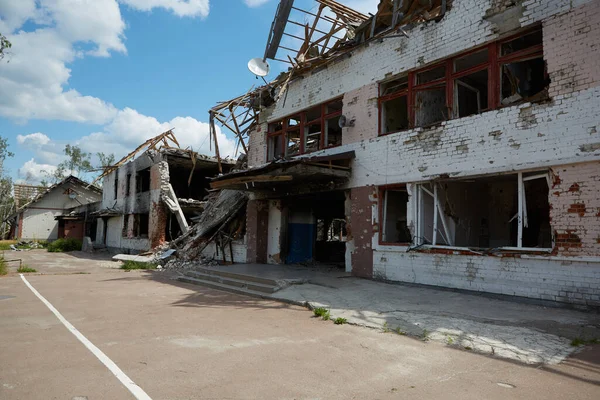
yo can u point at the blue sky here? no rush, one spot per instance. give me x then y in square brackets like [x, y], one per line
[108, 74]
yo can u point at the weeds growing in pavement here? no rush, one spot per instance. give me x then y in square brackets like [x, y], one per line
[136, 265]
[340, 321]
[24, 269]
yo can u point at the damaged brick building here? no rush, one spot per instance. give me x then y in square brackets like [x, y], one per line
[152, 199]
[447, 143]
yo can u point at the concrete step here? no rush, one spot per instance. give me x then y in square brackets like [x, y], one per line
[235, 282]
[233, 275]
[226, 288]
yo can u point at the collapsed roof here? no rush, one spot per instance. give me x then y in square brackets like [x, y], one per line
[307, 40]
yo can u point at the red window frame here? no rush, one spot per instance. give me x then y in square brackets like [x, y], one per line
[285, 129]
[493, 65]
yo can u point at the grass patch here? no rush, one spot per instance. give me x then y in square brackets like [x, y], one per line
[340, 321]
[137, 265]
[5, 244]
[64, 245]
[322, 312]
[3, 267]
[578, 342]
[24, 269]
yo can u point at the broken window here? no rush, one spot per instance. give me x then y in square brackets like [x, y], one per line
[522, 68]
[471, 94]
[523, 80]
[128, 185]
[125, 230]
[333, 132]
[394, 216]
[497, 74]
[142, 181]
[312, 135]
[274, 147]
[393, 104]
[508, 211]
[311, 130]
[293, 143]
[430, 106]
[275, 141]
[141, 225]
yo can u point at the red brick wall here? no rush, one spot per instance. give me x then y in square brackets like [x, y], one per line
[575, 209]
[361, 219]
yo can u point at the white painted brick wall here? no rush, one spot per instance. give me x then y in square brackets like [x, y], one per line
[462, 28]
[565, 281]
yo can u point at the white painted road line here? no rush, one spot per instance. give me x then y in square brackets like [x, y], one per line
[137, 391]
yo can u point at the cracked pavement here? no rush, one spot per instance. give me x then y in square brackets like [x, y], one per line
[523, 332]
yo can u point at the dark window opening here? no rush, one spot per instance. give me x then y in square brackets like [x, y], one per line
[116, 188]
[396, 86]
[142, 181]
[128, 185]
[334, 107]
[394, 217]
[293, 143]
[333, 132]
[523, 80]
[125, 231]
[471, 93]
[537, 231]
[274, 147]
[431, 75]
[471, 60]
[141, 225]
[394, 115]
[430, 106]
[312, 134]
[521, 43]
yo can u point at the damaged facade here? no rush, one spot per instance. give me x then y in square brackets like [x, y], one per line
[154, 198]
[450, 143]
[60, 211]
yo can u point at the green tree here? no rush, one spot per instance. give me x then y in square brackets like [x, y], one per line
[78, 161]
[106, 160]
[5, 45]
[7, 202]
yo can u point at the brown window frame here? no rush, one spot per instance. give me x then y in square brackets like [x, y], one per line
[285, 129]
[493, 65]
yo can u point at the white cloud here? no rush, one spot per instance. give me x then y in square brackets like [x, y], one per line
[130, 128]
[33, 139]
[255, 3]
[34, 83]
[33, 172]
[181, 8]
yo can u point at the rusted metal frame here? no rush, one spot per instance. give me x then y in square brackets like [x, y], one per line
[411, 99]
[494, 79]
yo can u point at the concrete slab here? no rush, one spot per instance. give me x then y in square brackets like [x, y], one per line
[517, 331]
[130, 257]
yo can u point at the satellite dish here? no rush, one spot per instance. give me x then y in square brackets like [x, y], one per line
[259, 67]
[72, 195]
